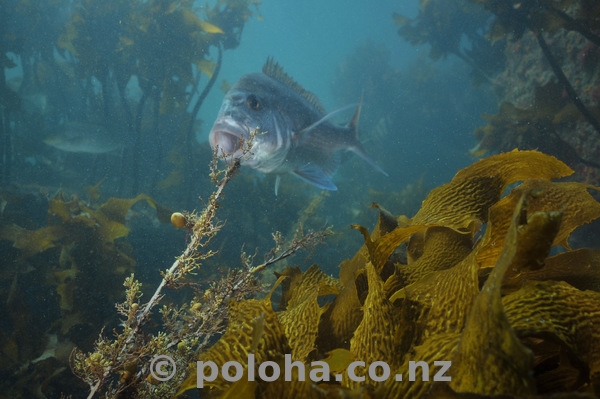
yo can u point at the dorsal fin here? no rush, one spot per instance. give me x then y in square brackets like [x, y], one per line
[274, 70]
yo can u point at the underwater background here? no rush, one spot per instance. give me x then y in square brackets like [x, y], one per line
[105, 111]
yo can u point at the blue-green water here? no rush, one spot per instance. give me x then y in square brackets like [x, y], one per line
[127, 69]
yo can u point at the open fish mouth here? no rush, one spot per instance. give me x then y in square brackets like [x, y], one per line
[228, 136]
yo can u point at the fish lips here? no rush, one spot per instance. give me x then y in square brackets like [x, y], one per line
[228, 136]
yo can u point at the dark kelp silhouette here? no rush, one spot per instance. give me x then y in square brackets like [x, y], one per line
[563, 34]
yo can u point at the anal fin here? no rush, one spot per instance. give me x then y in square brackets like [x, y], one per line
[314, 175]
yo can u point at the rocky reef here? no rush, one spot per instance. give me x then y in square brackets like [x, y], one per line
[541, 59]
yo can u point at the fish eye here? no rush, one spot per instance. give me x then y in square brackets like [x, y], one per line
[252, 102]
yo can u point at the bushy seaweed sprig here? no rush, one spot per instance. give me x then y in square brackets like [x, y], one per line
[122, 364]
[284, 248]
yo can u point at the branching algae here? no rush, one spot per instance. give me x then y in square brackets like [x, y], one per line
[188, 329]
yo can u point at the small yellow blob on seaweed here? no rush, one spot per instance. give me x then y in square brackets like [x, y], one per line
[178, 220]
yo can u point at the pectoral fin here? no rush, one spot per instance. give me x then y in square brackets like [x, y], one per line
[315, 176]
[277, 181]
[304, 134]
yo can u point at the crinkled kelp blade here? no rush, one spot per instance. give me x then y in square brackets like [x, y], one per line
[555, 309]
[440, 249]
[579, 268]
[377, 336]
[490, 358]
[467, 198]
[572, 198]
[345, 313]
[239, 341]
[301, 318]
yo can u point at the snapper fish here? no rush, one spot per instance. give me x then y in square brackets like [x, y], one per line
[295, 134]
[84, 138]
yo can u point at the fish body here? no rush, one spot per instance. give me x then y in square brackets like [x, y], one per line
[294, 133]
[83, 137]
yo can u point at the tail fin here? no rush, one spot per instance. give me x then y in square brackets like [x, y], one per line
[357, 147]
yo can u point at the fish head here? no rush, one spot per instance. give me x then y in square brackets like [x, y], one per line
[251, 107]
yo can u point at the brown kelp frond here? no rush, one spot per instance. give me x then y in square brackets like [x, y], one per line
[368, 343]
[488, 346]
[74, 230]
[573, 199]
[557, 311]
[253, 329]
[107, 222]
[466, 199]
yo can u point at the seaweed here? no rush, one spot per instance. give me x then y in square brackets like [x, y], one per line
[550, 23]
[75, 229]
[546, 47]
[141, 69]
[61, 256]
[496, 309]
[456, 28]
[118, 366]
[472, 278]
[148, 46]
[536, 126]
